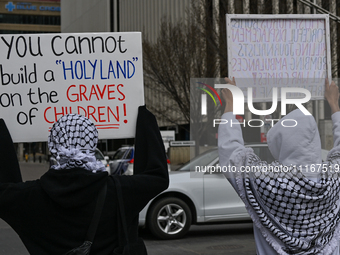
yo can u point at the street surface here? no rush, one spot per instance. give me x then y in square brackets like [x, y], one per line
[233, 239]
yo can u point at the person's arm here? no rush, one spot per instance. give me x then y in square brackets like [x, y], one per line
[230, 141]
[230, 138]
[150, 164]
[332, 96]
[9, 165]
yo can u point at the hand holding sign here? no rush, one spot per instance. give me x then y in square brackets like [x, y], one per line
[332, 95]
[227, 95]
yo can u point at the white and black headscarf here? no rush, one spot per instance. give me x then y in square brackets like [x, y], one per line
[297, 211]
[72, 141]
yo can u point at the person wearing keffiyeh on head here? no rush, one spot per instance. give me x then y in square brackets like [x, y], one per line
[72, 141]
[295, 211]
[52, 215]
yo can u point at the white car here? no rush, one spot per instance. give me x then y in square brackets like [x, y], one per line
[197, 198]
[123, 160]
[104, 159]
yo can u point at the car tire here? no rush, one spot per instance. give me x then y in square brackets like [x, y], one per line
[169, 218]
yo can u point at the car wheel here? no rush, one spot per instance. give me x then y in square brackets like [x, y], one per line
[169, 218]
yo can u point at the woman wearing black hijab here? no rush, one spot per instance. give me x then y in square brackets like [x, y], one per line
[52, 215]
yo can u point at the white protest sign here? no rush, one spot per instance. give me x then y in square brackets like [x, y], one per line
[266, 51]
[45, 76]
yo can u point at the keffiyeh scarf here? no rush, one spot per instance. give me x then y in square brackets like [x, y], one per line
[72, 141]
[295, 214]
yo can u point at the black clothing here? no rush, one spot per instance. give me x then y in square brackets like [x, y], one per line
[52, 215]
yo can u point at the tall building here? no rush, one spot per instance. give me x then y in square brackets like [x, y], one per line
[23, 17]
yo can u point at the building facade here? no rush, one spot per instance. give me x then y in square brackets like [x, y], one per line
[22, 17]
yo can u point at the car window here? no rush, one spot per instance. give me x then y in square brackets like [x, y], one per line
[257, 151]
[119, 154]
[201, 160]
[98, 155]
[129, 155]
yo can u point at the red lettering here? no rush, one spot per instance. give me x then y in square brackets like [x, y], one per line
[101, 93]
[100, 113]
[110, 91]
[108, 113]
[82, 93]
[67, 111]
[120, 99]
[62, 113]
[77, 98]
[93, 92]
[51, 122]
[91, 113]
[81, 108]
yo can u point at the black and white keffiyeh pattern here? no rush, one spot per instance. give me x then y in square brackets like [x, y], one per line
[72, 141]
[303, 215]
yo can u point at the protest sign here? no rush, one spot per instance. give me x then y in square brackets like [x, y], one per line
[266, 51]
[45, 76]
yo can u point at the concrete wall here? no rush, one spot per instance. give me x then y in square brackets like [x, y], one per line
[85, 16]
[146, 16]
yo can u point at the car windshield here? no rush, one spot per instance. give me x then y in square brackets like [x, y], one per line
[201, 160]
[119, 154]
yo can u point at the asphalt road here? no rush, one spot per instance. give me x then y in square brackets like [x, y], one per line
[233, 239]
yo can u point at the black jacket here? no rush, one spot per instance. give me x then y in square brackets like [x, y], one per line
[52, 215]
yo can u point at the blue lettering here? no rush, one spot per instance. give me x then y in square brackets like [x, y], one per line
[111, 70]
[101, 71]
[94, 68]
[76, 70]
[68, 69]
[128, 69]
[50, 8]
[85, 71]
[123, 71]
